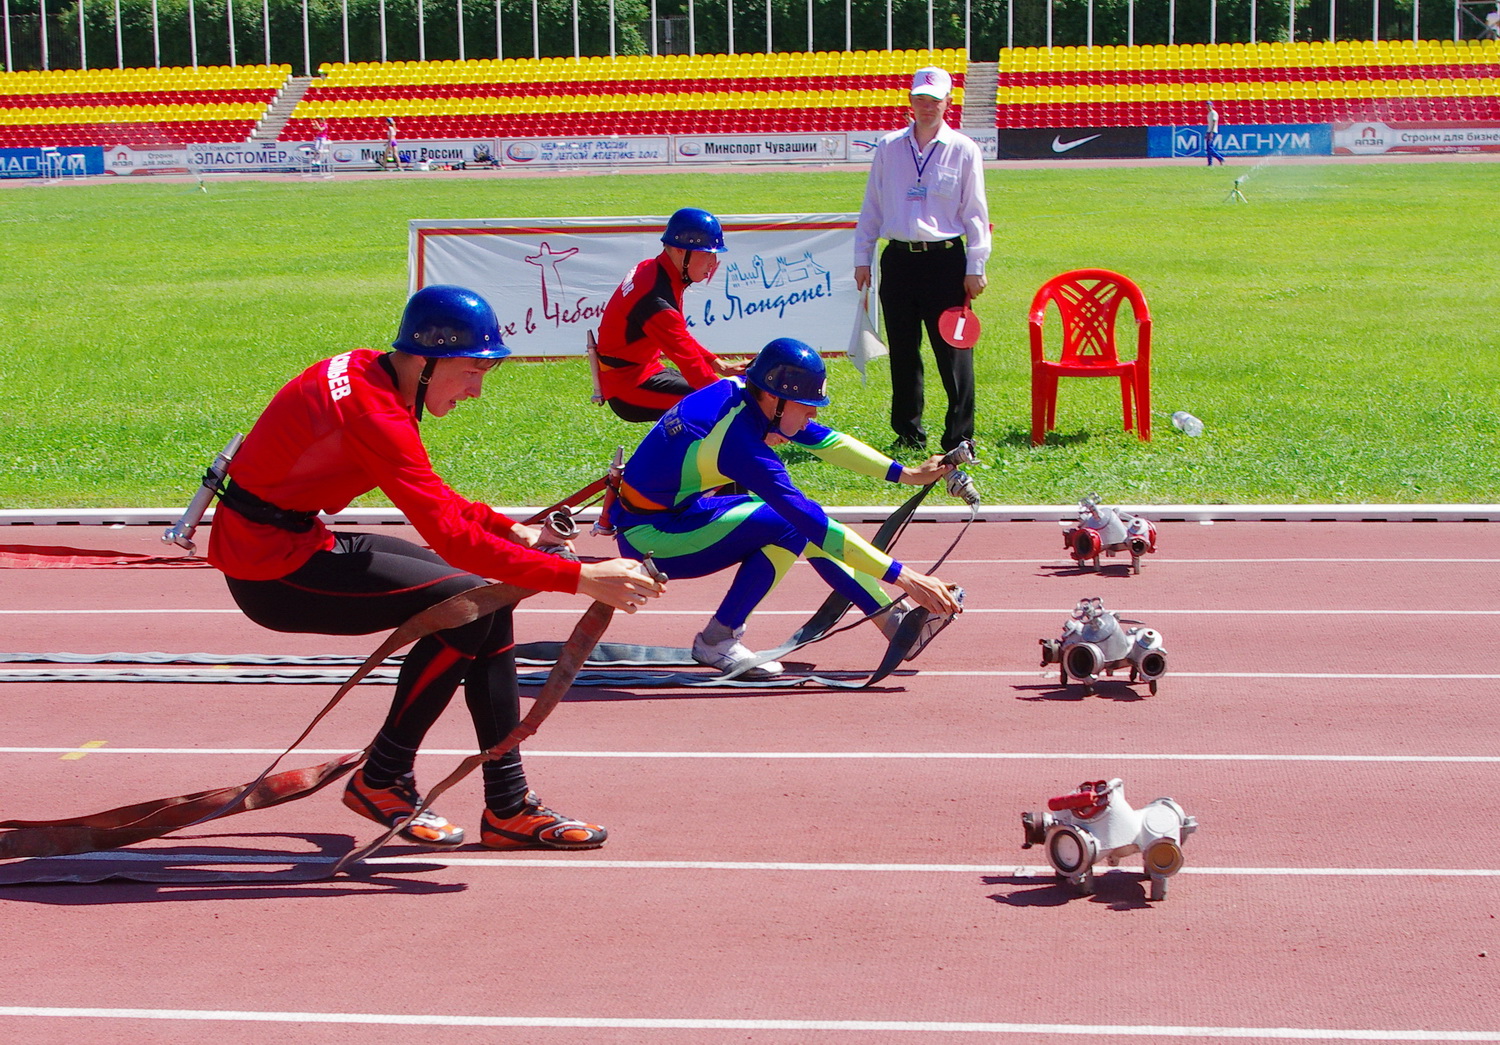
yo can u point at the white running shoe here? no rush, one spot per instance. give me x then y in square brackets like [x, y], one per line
[724, 656]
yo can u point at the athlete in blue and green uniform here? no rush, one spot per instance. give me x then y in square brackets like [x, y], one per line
[724, 433]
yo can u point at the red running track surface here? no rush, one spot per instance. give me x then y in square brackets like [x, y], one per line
[795, 866]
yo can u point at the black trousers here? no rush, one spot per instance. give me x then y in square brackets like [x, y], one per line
[657, 394]
[915, 289]
[374, 582]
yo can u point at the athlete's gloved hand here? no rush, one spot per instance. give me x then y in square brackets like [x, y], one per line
[622, 583]
[931, 594]
[929, 471]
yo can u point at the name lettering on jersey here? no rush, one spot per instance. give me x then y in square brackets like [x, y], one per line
[338, 377]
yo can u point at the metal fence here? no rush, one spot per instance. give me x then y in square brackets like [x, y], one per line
[81, 34]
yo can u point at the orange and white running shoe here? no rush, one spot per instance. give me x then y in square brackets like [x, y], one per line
[537, 827]
[391, 805]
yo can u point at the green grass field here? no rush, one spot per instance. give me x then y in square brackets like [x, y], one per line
[1336, 334]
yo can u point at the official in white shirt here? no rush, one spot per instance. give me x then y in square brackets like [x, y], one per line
[925, 197]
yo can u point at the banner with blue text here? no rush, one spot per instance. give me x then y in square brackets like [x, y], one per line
[784, 275]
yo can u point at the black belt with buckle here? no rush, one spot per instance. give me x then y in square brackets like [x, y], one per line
[262, 511]
[921, 247]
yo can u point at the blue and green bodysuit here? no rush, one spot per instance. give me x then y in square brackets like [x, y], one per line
[717, 436]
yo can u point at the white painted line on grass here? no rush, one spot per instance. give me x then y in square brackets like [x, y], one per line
[958, 756]
[743, 1025]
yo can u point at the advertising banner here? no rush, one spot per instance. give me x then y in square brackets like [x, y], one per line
[862, 143]
[130, 159]
[785, 275]
[585, 152]
[258, 157]
[1269, 139]
[1072, 143]
[760, 148]
[61, 162]
[1366, 139]
[426, 154]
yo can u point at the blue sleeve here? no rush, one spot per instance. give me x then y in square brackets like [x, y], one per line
[745, 458]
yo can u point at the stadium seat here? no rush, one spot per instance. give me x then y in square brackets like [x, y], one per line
[1088, 304]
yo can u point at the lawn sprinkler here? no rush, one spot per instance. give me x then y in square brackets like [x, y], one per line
[1096, 823]
[1093, 641]
[1102, 530]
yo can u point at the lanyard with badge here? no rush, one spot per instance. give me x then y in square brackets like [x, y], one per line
[918, 191]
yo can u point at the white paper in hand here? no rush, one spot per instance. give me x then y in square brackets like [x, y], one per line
[864, 341]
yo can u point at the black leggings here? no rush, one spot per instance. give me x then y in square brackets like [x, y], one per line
[375, 582]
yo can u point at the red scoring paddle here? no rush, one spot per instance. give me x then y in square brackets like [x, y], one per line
[959, 326]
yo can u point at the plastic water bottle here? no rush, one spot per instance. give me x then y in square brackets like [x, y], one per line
[1186, 423]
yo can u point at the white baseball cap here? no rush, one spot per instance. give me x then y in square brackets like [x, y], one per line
[932, 82]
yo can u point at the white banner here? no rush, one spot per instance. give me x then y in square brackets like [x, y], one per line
[243, 156]
[862, 143]
[784, 275]
[435, 154]
[585, 152]
[1374, 138]
[125, 159]
[760, 148]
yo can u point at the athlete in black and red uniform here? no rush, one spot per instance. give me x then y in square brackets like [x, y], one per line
[643, 321]
[349, 425]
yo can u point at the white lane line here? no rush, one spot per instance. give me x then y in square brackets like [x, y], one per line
[1350, 675]
[1124, 560]
[581, 863]
[743, 1025]
[213, 674]
[998, 756]
[708, 610]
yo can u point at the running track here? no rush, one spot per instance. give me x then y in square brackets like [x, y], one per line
[794, 866]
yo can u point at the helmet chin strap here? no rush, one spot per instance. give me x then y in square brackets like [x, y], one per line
[687, 254]
[422, 381]
[776, 419]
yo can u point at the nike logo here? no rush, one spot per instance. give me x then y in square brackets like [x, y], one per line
[1058, 145]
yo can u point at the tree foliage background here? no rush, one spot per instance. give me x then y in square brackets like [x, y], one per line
[430, 28]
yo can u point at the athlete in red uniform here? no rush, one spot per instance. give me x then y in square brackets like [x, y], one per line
[643, 321]
[349, 425]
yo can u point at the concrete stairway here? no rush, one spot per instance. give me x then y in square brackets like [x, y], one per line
[270, 125]
[979, 94]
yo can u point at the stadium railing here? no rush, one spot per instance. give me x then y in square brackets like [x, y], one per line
[1317, 82]
[167, 106]
[668, 94]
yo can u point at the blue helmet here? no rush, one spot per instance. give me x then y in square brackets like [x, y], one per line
[443, 320]
[790, 369]
[694, 229]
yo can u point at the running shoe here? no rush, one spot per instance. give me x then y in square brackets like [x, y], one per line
[391, 805]
[537, 827]
[726, 655]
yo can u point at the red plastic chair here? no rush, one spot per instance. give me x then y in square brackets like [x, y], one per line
[1088, 301]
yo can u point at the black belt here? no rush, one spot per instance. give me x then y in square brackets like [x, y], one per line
[921, 247]
[261, 511]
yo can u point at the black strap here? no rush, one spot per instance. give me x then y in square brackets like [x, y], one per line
[259, 510]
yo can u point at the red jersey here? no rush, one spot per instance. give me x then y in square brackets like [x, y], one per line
[339, 430]
[642, 322]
